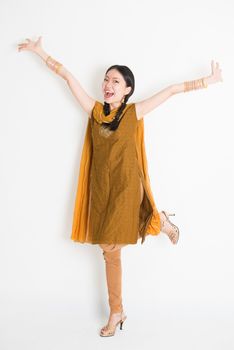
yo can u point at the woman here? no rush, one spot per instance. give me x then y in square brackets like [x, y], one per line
[114, 202]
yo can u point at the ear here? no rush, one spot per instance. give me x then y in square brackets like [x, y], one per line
[128, 89]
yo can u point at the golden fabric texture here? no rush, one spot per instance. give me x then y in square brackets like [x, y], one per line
[148, 216]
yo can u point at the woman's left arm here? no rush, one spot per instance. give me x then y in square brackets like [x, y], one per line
[147, 105]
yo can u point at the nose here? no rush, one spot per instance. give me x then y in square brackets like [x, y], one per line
[108, 86]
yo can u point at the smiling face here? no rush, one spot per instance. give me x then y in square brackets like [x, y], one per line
[114, 87]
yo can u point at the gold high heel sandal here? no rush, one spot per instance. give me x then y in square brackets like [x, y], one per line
[108, 331]
[172, 231]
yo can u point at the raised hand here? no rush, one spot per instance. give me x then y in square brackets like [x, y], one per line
[215, 76]
[34, 46]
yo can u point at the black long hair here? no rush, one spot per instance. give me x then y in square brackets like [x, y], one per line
[130, 81]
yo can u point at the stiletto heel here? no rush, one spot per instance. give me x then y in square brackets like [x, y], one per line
[108, 331]
[172, 231]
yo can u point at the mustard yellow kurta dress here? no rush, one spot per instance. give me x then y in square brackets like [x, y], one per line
[113, 166]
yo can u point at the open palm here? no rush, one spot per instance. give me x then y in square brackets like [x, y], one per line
[31, 45]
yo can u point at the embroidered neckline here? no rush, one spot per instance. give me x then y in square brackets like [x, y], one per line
[101, 117]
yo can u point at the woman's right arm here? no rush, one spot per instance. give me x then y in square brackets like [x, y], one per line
[86, 102]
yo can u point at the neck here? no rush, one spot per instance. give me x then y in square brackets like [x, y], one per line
[115, 105]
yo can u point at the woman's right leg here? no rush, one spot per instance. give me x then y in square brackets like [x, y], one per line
[166, 226]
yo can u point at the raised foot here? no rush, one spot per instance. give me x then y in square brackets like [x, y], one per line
[109, 329]
[171, 230]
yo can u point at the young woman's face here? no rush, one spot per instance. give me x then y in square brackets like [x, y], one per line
[114, 87]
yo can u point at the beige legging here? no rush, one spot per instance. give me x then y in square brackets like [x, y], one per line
[112, 257]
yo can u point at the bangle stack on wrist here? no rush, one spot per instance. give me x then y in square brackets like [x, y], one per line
[53, 64]
[194, 84]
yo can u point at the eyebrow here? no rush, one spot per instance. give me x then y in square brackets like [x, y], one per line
[113, 77]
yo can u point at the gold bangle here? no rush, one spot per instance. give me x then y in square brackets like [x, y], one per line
[48, 59]
[194, 84]
[204, 83]
[53, 64]
[59, 65]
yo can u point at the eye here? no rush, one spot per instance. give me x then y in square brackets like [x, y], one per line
[116, 81]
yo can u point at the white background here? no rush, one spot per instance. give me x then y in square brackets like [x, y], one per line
[53, 290]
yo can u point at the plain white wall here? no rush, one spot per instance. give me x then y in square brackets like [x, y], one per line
[53, 290]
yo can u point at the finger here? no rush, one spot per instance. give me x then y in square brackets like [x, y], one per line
[22, 46]
[212, 66]
[217, 64]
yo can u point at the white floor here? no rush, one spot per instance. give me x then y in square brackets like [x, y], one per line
[65, 325]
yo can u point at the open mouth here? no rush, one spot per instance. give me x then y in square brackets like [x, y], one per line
[108, 94]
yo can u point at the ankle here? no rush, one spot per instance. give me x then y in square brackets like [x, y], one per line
[162, 219]
[115, 313]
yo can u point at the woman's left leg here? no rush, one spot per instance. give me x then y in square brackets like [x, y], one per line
[112, 259]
